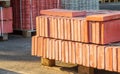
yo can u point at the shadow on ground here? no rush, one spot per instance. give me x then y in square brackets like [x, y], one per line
[3, 71]
[16, 48]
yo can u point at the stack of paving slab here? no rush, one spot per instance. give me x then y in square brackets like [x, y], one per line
[25, 12]
[5, 19]
[79, 37]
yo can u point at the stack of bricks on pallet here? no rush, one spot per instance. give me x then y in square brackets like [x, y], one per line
[25, 12]
[90, 55]
[5, 20]
[83, 39]
[80, 4]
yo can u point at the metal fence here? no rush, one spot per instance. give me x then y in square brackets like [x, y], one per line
[80, 4]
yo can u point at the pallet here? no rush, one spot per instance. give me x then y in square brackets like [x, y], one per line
[81, 69]
[4, 37]
[24, 33]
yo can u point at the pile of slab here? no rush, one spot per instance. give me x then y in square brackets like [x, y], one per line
[79, 37]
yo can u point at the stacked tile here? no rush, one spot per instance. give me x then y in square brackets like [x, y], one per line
[80, 4]
[5, 20]
[25, 12]
[76, 37]
[91, 55]
[104, 28]
[67, 28]
[95, 28]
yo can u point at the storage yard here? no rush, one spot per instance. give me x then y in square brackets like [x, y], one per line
[60, 37]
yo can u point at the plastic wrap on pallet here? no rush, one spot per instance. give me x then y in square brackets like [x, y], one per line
[5, 20]
[80, 4]
[25, 12]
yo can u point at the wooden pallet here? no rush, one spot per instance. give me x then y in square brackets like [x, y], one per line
[81, 69]
[24, 33]
[4, 37]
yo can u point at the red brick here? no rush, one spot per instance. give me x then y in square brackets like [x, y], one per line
[101, 57]
[90, 30]
[115, 59]
[108, 58]
[93, 32]
[6, 27]
[62, 12]
[113, 34]
[76, 30]
[84, 31]
[45, 48]
[37, 26]
[60, 49]
[86, 58]
[70, 51]
[118, 59]
[40, 25]
[7, 14]
[65, 29]
[66, 52]
[73, 60]
[56, 50]
[79, 29]
[68, 29]
[63, 51]
[62, 28]
[84, 54]
[56, 27]
[78, 53]
[52, 48]
[72, 29]
[93, 55]
[97, 29]
[40, 46]
[46, 26]
[103, 17]
[43, 26]
[48, 47]
[33, 45]
[59, 28]
[36, 45]
[51, 26]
